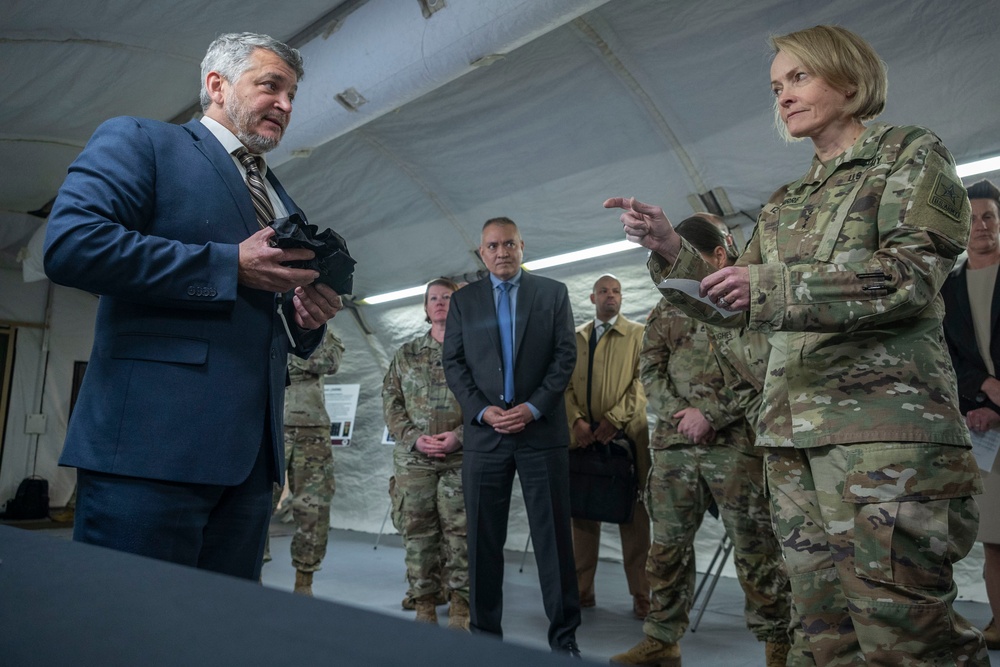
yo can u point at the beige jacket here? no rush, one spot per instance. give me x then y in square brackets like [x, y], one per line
[617, 393]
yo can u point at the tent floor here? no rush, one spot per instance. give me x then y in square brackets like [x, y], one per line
[356, 573]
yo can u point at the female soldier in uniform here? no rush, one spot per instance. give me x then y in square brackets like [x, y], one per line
[870, 473]
[426, 422]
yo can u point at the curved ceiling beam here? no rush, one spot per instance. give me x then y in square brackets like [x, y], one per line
[100, 43]
[387, 53]
[51, 141]
[590, 32]
[422, 185]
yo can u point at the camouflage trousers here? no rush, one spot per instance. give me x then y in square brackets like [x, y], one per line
[430, 509]
[870, 533]
[682, 482]
[309, 463]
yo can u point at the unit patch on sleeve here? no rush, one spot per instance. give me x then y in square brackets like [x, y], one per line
[946, 196]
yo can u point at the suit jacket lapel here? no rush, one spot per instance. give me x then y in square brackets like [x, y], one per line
[525, 299]
[210, 147]
[282, 195]
[490, 315]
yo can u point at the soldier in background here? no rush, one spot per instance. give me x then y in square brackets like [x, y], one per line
[703, 450]
[426, 421]
[309, 458]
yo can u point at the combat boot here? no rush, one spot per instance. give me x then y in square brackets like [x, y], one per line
[458, 613]
[409, 604]
[776, 653]
[426, 613]
[650, 652]
[303, 583]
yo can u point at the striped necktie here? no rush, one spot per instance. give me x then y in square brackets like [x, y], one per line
[255, 183]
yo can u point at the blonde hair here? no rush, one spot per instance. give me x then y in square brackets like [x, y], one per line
[842, 59]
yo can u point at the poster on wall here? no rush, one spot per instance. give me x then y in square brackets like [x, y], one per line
[387, 438]
[341, 405]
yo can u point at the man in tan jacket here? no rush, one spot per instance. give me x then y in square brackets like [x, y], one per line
[605, 396]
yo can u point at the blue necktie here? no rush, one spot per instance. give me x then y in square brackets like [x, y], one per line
[506, 341]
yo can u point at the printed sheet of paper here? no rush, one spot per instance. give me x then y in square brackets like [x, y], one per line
[341, 405]
[692, 288]
[984, 447]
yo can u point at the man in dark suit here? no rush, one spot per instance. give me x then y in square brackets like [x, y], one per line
[515, 421]
[177, 433]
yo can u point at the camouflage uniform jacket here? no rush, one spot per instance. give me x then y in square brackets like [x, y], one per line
[305, 402]
[742, 355]
[846, 266]
[415, 396]
[678, 369]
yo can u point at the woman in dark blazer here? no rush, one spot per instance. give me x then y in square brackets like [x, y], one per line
[972, 302]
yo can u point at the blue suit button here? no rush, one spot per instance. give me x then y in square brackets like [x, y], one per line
[191, 290]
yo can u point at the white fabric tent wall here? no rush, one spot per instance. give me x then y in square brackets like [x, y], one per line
[71, 335]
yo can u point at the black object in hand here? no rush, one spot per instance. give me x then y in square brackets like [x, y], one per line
[332, 260]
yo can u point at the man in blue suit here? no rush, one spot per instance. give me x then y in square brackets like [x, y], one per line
[509, 351]
[177, 432]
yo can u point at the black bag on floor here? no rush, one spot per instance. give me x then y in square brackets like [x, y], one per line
[31, 501]
[603, 481]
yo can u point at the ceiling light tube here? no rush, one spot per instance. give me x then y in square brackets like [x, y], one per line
[978, 167]
[393, 296]
[580, 255]
[557, 260]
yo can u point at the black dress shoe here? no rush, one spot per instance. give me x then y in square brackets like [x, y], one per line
[570, 649]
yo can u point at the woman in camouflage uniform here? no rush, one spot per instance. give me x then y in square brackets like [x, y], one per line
[426, 422]
[870, 472]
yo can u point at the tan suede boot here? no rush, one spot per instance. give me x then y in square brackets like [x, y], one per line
[776, 654]
[426, 612]
[650, 652]
[458, 613]
[992, 635]
[409, 604]
[303, 583]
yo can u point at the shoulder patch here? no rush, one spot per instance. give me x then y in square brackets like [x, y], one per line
[946, 196]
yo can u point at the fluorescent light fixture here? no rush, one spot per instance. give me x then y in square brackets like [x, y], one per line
[579, 255]
[394, 296]
[978, 167]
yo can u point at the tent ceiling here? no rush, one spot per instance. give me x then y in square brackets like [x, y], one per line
[657, 98]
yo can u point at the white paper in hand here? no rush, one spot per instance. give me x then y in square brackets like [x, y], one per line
[984, 447]
[692, 289]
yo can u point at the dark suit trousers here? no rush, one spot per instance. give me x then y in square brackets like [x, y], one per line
[487, 479]
[217, 528]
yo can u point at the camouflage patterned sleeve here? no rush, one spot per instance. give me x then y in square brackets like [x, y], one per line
[881, 259]
[722, 407]
[663, 399]
[397, 419]
[325, 360]
[689, 265]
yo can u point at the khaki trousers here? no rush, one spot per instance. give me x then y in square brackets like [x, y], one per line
[635, 548]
